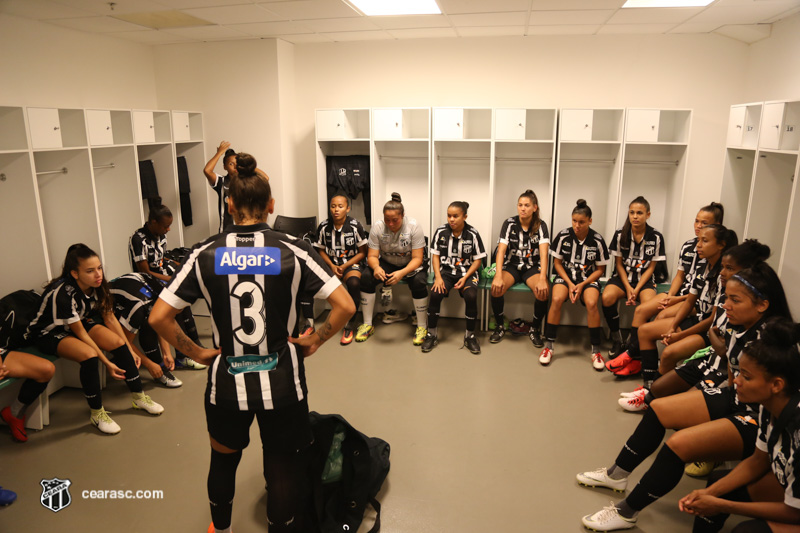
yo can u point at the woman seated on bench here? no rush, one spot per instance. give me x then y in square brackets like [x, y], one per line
[37, 373]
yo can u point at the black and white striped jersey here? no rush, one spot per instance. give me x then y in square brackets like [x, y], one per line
[221, 186]
[144, 246]
[456, 254]
[579, 258]
[690, 263]
[637, 256]
[341, 244]
[714, 362]
[783, 451]
[63, 304]
[250, 276]
[134, 296]
[706, 291]
[523, 246]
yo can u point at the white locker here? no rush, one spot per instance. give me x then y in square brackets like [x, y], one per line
[100, 129]
[448, 123]
[736, 125]
[771, 126]
[576, 124]
[45, 127]
[509, 124]
[642, 125]
[180, 126]
[144, 127]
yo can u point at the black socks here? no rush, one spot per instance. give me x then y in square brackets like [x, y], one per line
[90, 381]
[644, 441]
[222, 486]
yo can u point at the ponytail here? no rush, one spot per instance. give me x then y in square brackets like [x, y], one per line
[582, 208]
[717, 211]
[625, 238]
[536, 219]
[158, 211]
[75, 254]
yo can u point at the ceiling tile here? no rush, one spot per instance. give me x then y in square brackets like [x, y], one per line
[337, 25]
[97, 24]
[491, 31]
[152, 37]
[306, 38]
[422, 33]
[312, 9]
[418, 21]
[558, 5]
[589, 16]
[517, 18]
[190, 4]
[359, 36]
[208, 33]
[40, 9]
[634, 28]
[241, 14]
[654, 15]
[270, 29]
[750, 33]
[576, 29]
[101, 7]
[695, 27]
[482, 6]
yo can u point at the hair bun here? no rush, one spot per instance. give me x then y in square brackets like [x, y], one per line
[581, 203]
[780, 332]
[245, 165]
[396, 197]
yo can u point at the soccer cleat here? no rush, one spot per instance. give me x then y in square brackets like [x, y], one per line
[617, 347]
[619, 362]
[631, 369]
[633, 404]
[169, 380]
[519, 327]
[608, 519]
[7, 497]
[307, 331]
[545, 356]
[498, 334]
[700, 468]
[599, 478]
[597, 362]
[472, 345]
[393, 315]
[638, 391]
[429, 343]
[145, 403]
[419, 335]
[536, 337]
[103, 422]
[189, 364]
[17, 425]
[364, 332]
[347, 336]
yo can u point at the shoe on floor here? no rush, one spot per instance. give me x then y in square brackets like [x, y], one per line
[597, 362]
[17, 425]
[519, 327]
[536, 337]
[545, 356]
[619, 362]
[608, 519]
[146, 403]
[631, 369]
[364, 332]
[617, 348]
[347, 337]
[498, 334]
[634, 404]
[189, 364]
[419, 335]
[599, 478]
[393, 315]
[700, 468]
[169, 380]
[103, 422]
[471, 343]
[429, 343]
[638, 391]
[308, 330]
[7, 497]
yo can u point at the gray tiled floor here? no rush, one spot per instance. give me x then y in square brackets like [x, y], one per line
[479, 443]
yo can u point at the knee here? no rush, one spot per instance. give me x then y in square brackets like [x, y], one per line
[681, 446]
[45, 372]
[353, 282]
[470, 296]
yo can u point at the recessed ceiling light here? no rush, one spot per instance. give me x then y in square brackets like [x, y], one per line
[667, 3]
[159, 20]
[374, 8]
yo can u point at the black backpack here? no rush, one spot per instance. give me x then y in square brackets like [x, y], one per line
[347, 470]
[16, 312]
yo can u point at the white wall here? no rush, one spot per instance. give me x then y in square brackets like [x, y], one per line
[46, 65]
[773, 72]
[701, 72]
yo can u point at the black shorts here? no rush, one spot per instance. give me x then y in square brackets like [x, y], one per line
[594, 285]
[522, 276]
[48, 343]
[721, 403]
[614, 280]
[450, 280]
[285, 430]
[697, 374]
[358, 267]
[746, 423]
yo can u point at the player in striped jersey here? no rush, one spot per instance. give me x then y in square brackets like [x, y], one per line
[76, 321]
[250, 276]
[712, 424]
[526, 239]
[342, 244]
[148, 245]
[457, 251]
[580, 256]
[636, 248]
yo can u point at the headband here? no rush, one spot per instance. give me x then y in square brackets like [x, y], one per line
[749, 285]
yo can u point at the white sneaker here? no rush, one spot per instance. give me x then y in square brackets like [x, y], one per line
[191, 364]
[598, 363]
[146, 403]
[599, 478]
[634, 404]
[169, 380]
[638, 391]
[545, 356]
[104, 423]
[393, 315]
[608, 519]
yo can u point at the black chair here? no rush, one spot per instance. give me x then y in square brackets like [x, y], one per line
[296, 227]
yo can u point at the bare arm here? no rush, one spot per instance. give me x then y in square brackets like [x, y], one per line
[342, 308]
[162, 319]
[208, 170]
[144, 268]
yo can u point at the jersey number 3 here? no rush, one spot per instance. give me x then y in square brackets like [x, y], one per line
[253, 328]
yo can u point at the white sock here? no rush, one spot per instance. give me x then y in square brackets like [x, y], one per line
[421, 308]
[228, 529]
[368, 307]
